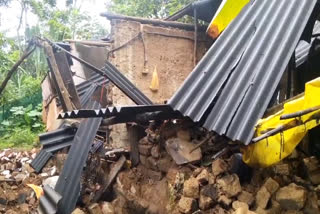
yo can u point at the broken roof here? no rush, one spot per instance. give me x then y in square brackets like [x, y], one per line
[231, 87]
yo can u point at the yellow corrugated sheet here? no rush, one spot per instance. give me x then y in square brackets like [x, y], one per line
[228, 10]
[273, 149]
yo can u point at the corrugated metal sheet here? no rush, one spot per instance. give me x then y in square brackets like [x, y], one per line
[230, 89]
[303, 48]
[114, 111]
[49, 201]
[41, 160]
[69, 180]
[52, 141]
[96, 79]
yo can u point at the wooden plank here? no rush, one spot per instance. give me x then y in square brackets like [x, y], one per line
[67, 104]
[66, 75]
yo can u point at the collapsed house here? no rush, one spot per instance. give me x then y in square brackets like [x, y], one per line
[164, 101]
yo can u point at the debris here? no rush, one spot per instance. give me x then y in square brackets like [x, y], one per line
[313, 170]
[282, 169]
[311, 204]
[219, 166]
[107, 208]
[187, 205]
[180, 151]
[292, 197]
[205, 202]
[230, 185]
[239, 204]
[113, 173]
[203, 177]
[95, 209]
[271, 185]
[78, 211]
[191, 188]
[263, 197]
[246, 197]
[37, 189]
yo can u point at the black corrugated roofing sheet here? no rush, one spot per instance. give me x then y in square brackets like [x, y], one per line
[69, 180]
[303, 48]
[52, 142]
[230, 89]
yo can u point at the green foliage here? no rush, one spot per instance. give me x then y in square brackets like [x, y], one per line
[69, 23]
[22, 128]
[148, 8]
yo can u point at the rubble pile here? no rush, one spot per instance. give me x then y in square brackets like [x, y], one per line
[181, 170]
[161, 184]
[15, 175]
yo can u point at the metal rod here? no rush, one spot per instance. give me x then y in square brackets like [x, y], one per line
[195, 15]
[299, 113]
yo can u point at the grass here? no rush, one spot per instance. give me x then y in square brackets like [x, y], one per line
[20, 139]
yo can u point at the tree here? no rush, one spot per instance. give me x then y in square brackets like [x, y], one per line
[148, 8]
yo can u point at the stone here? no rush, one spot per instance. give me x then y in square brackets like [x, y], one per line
[191, 188]
[263, 197]
[78, 211]
[143, 159]
[311, 206]
[230, 185]
[218, 210]
[224, 200]
[164, 164]
[3, 201]
[51, 181]
[22, 198]
[205, 202]
[291, 197]
[24, 208]
[314, 177]
[203, 177]
[154, 175]
[145, 149]
[172, 174]
[95, 209]
[210, 191]
[282, 169]
[152, 163]
[155, 151]
[196, 172]
[246, 197]
[239, 204]
[184, 135]
[59, 161]
[187, 205]
[219, 166]
[243, 210]
[294, 154]
[11, 212]
[20, 177]
[292, 212]
[311, 165]
[274, 209]
[27, 168]
[107, 208]
[271, 185]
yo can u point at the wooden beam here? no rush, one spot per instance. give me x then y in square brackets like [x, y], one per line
[90, 43]
[25, 55]
[66, 102]
[67, 78]
[156, 22]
